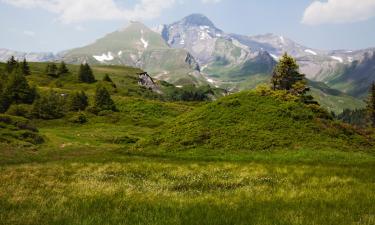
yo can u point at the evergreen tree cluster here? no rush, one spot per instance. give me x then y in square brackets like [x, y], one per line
[15, 91]
[357, 117]
[53, 105]
[12, 65]
[187, 93]
[56, 71]
[14, 88]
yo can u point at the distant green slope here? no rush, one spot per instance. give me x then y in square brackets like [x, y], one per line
[356, 79]
[334, 100]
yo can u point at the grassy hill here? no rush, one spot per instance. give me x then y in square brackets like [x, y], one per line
[244, 159]
[247, 122]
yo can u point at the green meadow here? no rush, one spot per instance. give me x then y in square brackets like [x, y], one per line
[248, 158]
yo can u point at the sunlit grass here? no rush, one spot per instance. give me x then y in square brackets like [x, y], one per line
[148, 191]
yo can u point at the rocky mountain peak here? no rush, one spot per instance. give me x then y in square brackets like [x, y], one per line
[197, 20]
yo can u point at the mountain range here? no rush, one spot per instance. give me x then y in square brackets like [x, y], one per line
[194, 51]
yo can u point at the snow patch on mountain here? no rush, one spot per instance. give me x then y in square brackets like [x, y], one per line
[204, 36]
[210, 80]
[119, 53]
[144, 42]
[311, 52]
[337, 59]
[104, 57]
[274, 57]
[282, 39]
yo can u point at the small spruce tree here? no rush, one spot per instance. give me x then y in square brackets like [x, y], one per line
[18, 89]
[106, 78]
[103, 100]
[51, 70]
[25, 67]
[85, 74]
[63, 69]
[11, 65]
[78, 101]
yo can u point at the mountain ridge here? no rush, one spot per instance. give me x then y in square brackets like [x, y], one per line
[193, 50]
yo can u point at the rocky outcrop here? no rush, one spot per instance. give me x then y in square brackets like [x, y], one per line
[146, 81]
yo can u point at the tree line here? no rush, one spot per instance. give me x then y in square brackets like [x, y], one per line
[18, 97]
[362, 117]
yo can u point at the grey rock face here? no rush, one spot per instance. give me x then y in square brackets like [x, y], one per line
[146, 81]
[211, 47]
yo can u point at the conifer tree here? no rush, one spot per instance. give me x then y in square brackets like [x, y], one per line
[371, 105]
[51, 70]
[106, 78]
[286, 76]
[25, 67]
[63, 69]
[85, 74]
[18, 89]
[49, 106]
[11, 65]
[103, 100]
[5, 102]
[78, 101]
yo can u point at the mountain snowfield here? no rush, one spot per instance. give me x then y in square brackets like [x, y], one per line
[194, 51]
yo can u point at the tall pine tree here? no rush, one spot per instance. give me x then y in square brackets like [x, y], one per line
[286, 76]
[85, 74]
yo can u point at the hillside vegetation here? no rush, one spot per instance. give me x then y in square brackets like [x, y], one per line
[255, 157]
[249, 122]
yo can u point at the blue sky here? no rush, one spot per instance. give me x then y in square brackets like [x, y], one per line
[56, 25]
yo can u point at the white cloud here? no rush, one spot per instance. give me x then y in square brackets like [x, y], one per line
[211, 1]
[70, 11]
[29, 33]
[339, 11]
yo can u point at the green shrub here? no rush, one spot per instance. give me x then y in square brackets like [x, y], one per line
[49, 106]
[22, 110]
[79, 118]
